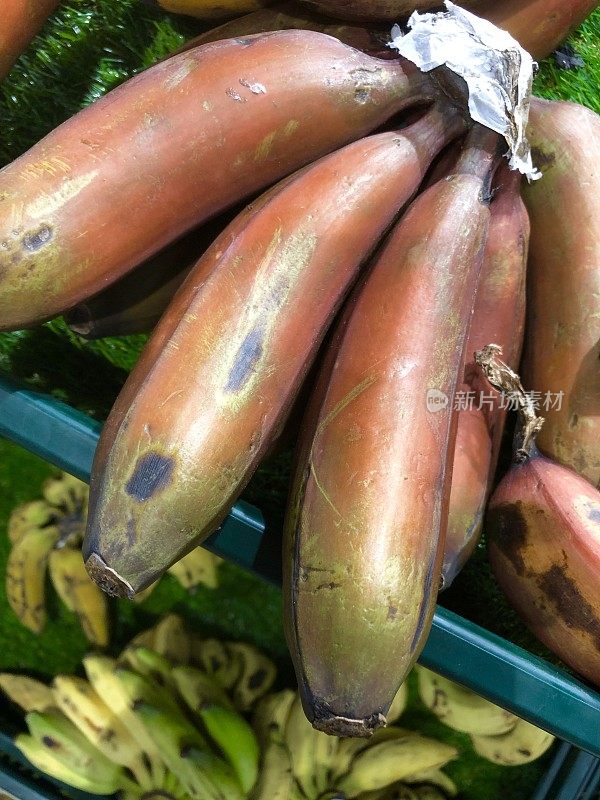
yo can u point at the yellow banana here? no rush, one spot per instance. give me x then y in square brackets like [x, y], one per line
[199, 566]
[26, 692]
[42, 758]
[101, 672]
[213, 657]
[172, 640]
[26, 576]
[79, 593]
[98, 722]
[67, 493]
[460, 708]
[36, 514]
[142, 639]
[398, 704]
[212, 9]
[301, 744]
[197, 688]
[524, 743]
[349, 748]
[276, 779]
[392, 760]
[257, 674]
[434, 777]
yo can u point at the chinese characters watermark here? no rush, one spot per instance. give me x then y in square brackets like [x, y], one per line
[477, 401]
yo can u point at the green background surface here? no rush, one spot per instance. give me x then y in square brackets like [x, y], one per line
[85, 50]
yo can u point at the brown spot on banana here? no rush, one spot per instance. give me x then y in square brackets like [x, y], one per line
[571, 605]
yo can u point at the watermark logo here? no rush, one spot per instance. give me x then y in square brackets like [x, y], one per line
[476, 401]
[436, 400]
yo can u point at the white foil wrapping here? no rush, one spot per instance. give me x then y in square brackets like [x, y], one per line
[497, 70]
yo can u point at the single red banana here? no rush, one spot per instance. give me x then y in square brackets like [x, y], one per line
[173, 147]
[366, 518]
[498, 316]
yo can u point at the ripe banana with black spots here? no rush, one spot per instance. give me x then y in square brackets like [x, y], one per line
[26, 692]
[78, 701]
[26, 575]
[390, 761]
[35, 514]
[257, 674]
[67, 493]
[460, 708]
[216, 660]
[65, 742]
[79, 593]
[524, 743]
[199, 566]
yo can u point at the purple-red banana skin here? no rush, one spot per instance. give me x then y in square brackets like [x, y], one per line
[197, 415]
[20, 20]
[381, 10]
[366, 517]
[292, 15]
[498, 318]
[135, 303]
[172, 147]
[562, 345]
[543, 529]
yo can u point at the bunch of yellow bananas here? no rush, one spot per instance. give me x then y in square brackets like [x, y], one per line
[46, 535]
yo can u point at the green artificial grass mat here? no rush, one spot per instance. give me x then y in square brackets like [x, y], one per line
[86, 49]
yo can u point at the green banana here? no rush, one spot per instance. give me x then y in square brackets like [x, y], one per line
[42, 758]
[78, 701]
[26, 692]
[217, 661]
[171, 639]
[524, 743]
[79, 593]
[460, 708]
[235, 737]
[68, 745]
[198, 689]
[186, 753]
[390, 761]
[148, 663]
[257, 674]
[26, 575]
[198, 566]
[36, 514]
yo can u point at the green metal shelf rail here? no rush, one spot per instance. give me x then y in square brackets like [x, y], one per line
[504, 673]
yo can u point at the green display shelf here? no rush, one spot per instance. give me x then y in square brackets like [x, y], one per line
[493, 667]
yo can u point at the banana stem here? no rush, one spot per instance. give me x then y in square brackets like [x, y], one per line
[502, 377]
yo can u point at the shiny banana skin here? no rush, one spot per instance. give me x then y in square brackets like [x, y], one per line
[524, 743]
[79, 593]
[498, 316]
[26, 575]
[193, 422]
[374, 445]
[29, 694]
[543, 532]
[562, 348]
[61, 203]
[462, 709]
[21, 21]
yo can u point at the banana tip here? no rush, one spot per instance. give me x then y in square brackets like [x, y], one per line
[336, 725]
[106, 578]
